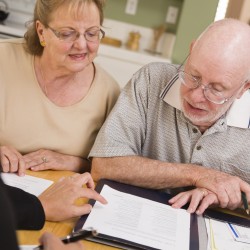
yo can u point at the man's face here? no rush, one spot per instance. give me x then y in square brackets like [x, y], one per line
[200, 111]
[195, 106]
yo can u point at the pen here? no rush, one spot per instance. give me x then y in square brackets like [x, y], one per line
[245, 202]
[80, 235]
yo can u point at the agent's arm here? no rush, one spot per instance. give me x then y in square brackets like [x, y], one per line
[8, 238]
[49, 241]
[59, 201]
[55, 204]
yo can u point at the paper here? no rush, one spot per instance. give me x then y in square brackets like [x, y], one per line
[27, 247]
[220, 237]
[140, 220]
[28, 183]
[241, 234]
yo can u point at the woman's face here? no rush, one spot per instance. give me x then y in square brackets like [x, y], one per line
[70, 56]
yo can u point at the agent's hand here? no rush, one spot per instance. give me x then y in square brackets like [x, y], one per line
[51, 242]
[43, 159]
[12, 161]
[226, 187]
[59, 200]
[200, 199]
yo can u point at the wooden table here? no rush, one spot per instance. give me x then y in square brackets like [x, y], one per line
[61, 229]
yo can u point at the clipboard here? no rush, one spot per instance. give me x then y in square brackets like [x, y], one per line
[227, 216]
[153, 195]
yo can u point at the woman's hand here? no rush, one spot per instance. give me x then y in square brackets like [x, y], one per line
[12, 161]
[200, 199]
[51, 242]
[59, 200]
[44, 159]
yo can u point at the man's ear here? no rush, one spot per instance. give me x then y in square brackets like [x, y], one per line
[191, 46]
[246, 88]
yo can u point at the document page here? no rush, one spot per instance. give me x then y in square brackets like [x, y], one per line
[27, 247]
[140, 220]
[221, 236]
[28, 183]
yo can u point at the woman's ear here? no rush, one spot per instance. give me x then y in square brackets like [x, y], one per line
[39, 28]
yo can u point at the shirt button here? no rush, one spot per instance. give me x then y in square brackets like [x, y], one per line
[195, 130]
[198, 147]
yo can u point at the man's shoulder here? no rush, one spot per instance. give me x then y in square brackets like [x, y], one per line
[155, 73]
[161, 67]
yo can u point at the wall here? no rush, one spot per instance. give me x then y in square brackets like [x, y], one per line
[150, 13]
[196, 16]
[239, 9]
[245, 12]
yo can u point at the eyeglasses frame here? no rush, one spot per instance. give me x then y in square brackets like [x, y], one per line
[204, 87]
[57, 34]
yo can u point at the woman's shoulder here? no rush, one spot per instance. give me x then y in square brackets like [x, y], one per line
[12, 46]
[11, 43]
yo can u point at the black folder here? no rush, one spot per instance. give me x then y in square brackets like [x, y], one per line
[154, 195]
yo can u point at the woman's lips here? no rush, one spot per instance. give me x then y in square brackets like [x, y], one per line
[78, 57]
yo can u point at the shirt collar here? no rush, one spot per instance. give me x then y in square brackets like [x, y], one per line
[238, 114]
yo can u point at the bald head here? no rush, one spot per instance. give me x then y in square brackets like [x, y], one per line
[226, 41]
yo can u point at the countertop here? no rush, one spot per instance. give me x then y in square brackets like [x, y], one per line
[138, 57]
[13, 29]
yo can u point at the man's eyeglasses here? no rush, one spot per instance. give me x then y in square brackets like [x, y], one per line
[211, 94]
[70, 35]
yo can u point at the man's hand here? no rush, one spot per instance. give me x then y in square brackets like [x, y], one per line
[200, 199]
[59, 200]
[226, 187]
[51, 242]
[12, 161]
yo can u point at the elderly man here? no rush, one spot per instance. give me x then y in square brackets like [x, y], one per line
[186, 126]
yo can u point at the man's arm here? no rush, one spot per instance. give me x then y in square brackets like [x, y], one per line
[156, 174]
[143, 172]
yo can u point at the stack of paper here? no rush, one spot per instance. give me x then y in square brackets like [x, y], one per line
[141, 221]
[28, 183]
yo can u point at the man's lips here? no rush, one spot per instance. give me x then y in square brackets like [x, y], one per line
[195, 109]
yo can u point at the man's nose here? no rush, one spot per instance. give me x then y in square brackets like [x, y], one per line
[198, 94]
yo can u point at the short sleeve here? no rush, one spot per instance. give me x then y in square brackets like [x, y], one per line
[123, 133]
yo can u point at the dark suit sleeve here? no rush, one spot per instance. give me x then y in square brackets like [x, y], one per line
[8, 238]
[28, 210]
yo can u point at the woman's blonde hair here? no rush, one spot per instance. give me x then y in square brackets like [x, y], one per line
[42, 12]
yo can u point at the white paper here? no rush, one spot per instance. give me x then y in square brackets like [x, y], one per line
[240, 233]
[28, 183]
[223, 238]
[140, 220]
[27, 247]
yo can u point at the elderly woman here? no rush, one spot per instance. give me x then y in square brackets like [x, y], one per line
[53, 98]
